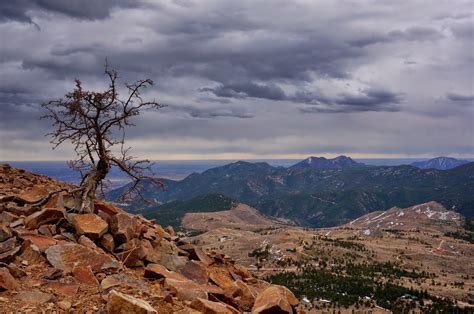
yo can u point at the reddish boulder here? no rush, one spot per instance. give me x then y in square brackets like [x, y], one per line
[53, 273]
[150, 254]
[44, 216]
[34, 195]
[210, 307]
[107, 208]
[120, 303]
[109, 282]
[131, 253]
[170, 230]
[107, 242]
[185, 290]
[165, 247]
[9, 255]
[257, 285]
[7, 245]
[84, 275]
[45, 230]
[14, 270]
[122, 227]
[275, 299]
[90, 225]
[156, 271]
[214, 290]
[34, 297]
[221, 277]
[66, 256]
[64, 289]
[245, 297]
[84, 240]
[159, 231]
[6, 217]
[17, 223]
[19, 210]
[195, 271]
[7, 282]
[42, 242]
[124, 280]
[31, 253]
[172, 262]
[197, 254]
[150, 234]
[56, 200]
[242, 271]
[5, 233]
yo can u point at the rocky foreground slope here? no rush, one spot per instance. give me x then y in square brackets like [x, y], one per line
[111, 261]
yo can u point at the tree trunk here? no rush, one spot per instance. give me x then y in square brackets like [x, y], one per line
[89, 186]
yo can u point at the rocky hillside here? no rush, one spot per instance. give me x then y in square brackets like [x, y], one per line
[110, 261]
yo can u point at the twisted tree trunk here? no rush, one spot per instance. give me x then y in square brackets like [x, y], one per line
[90, 183]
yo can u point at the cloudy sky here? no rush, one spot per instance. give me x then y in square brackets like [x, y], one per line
[250, 79]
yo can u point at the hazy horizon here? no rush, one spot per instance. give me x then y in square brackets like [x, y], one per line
[362, 158]
[469, 158]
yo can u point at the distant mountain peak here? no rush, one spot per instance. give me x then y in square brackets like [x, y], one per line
[440, 163]
[340, 162]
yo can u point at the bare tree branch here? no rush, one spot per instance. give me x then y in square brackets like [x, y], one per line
[89, 120]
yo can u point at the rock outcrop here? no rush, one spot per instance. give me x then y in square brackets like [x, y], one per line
[110, 261]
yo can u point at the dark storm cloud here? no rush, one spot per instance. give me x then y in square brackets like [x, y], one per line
[209, 113]
[21, 10]
[248, 68]
[372, 99]
[415, 33]
[366, 100]
[15, 10]
[248, 89]
[463, 98]
[15, 118]
[463, 30]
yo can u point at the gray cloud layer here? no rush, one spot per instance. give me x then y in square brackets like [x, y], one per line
[264, 78]
[20, 10]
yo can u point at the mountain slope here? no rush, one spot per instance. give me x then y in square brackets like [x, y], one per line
[429, 216]
[241, 217]
[440, 163]
[339, 162]
[173, 212]
[314, 197]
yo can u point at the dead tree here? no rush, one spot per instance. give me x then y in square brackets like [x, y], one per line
[95, 123]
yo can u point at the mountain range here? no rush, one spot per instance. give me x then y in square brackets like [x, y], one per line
[320, 197]
[440, 163]
[340, 162]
